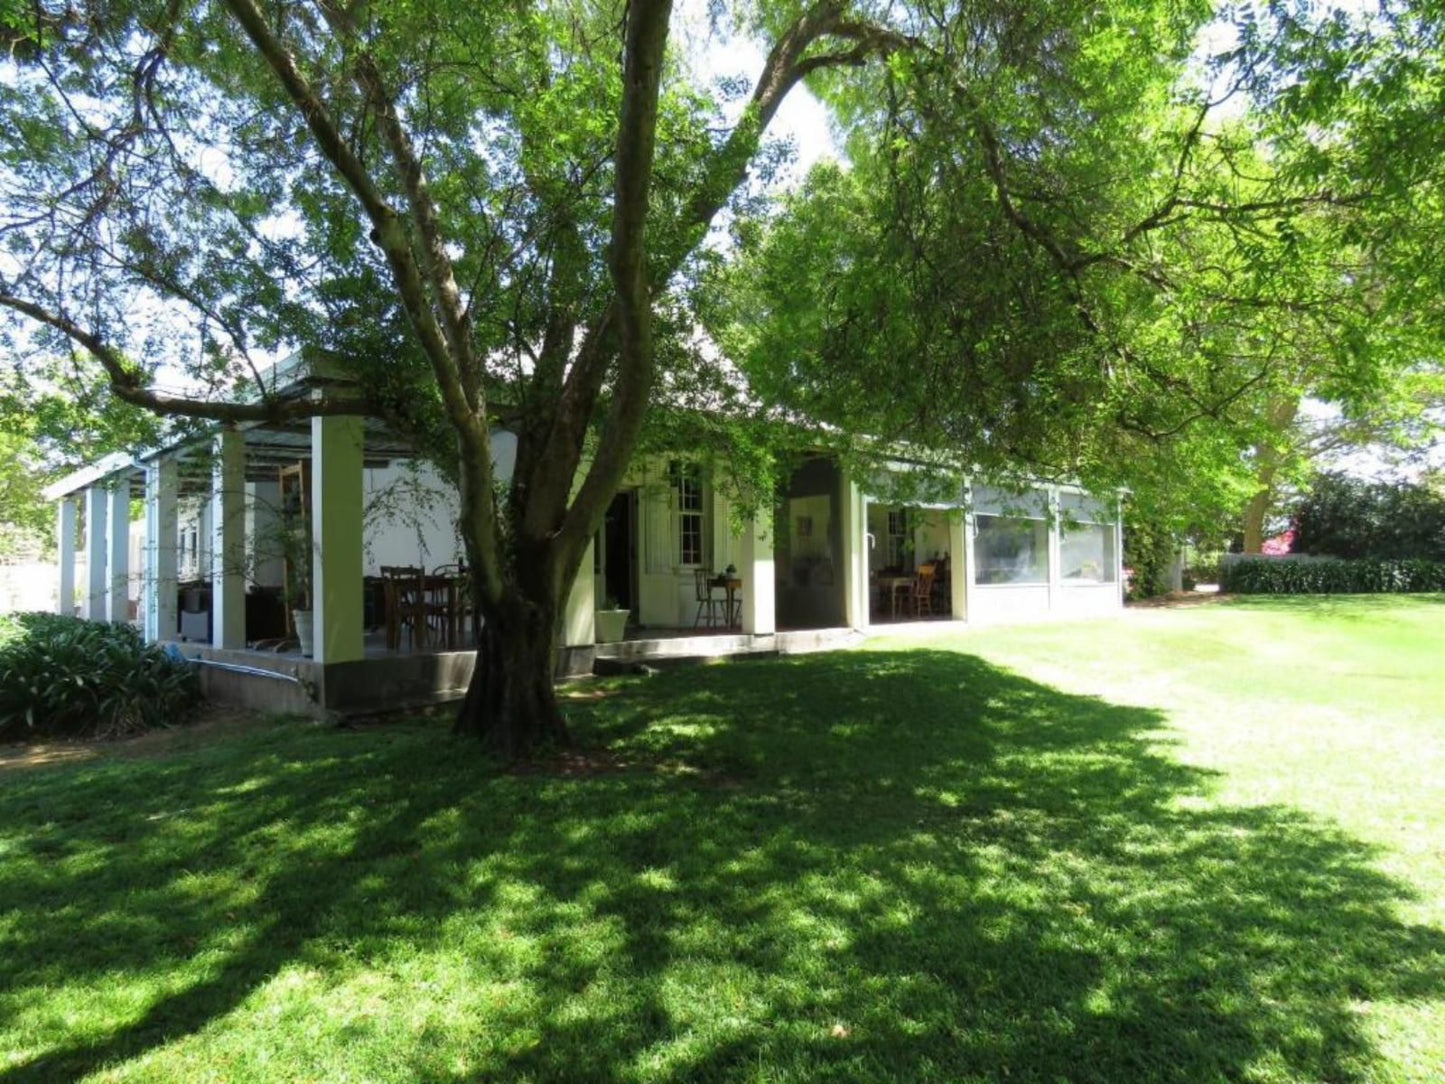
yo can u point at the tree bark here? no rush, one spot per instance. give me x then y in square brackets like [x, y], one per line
[1269, 456]
[511, 704]
[1254, 512]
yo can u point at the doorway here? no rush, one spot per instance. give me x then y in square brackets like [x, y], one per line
[619, 551]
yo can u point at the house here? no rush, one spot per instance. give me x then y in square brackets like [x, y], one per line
[838, 555]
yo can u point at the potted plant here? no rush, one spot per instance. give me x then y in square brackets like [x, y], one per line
[611, 622]
[290, 540]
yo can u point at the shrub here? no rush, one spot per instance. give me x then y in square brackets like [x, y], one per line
[1348, 517]
[1287, 576]
[62, 676]
[1148, 551]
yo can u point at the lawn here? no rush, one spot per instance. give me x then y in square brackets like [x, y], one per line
[1183, 845]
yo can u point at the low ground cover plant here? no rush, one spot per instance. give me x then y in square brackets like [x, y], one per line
[67, 677]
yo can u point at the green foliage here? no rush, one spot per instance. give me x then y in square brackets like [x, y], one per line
[1056, 254]
[27, 519]
[67, 677]
[1342, 516]
[1326, 576]
[1148, 551]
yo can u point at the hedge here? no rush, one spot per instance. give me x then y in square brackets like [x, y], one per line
[65, 677]
[1286, 576]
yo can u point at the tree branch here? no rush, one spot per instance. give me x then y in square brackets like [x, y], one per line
[647, 26]
[473, 433]
[126, 383]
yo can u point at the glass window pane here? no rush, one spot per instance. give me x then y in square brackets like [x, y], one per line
[1030, 504]
[1082, 508]
[1007, 550]
[1087, 553]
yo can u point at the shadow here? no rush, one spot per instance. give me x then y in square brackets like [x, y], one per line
[889, 864]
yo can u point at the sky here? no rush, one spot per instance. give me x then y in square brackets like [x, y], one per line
[716, 54]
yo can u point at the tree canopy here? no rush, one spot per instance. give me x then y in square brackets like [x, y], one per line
[1052, 246]
[1130, 265]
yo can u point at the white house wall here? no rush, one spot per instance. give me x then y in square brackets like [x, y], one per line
[411, 516]
[667, 591]
[996, 603]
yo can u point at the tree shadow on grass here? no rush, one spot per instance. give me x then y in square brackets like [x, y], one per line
[894, 864]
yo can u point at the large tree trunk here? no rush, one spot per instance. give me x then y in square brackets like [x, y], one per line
[1268, 458]
[1254, 512]
[511, 704]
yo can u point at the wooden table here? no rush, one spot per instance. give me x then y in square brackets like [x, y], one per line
[424, 597]
[891, 586]
[732, 585]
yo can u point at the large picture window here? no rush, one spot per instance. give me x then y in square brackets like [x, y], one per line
[1087, 541]
[687, 481]
[1011, 537]
[1010, 550]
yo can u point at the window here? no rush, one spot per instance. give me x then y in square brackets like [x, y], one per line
[897, 537]
[1086, 541]
[1010, 550]
[687, 482]
[1011, 537]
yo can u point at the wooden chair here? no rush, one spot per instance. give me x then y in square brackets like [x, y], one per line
[707, 602]
[920, 597]
[404, 600]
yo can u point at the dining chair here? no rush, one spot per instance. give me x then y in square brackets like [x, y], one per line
[404, 599]
[707, 602]
[921, 596]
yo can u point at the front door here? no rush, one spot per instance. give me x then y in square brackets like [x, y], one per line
[619, 562]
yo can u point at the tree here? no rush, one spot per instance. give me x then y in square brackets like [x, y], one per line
[1085, 303]
[495, 215]
[26, 519]
[486, 212]
[1346, 517]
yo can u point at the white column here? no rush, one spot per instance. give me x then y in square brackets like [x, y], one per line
[65, 541]
[759, 583]
[336, 556]
[959, 564]
[96, 500]
[117, 584]
[228, 540]
[855, 554]
[969, 531]
[1055, 553]
[1119, 548]
[162, 491]
[579, 609]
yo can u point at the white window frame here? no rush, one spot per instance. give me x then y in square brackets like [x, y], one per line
[687, 485]
[1086, 516]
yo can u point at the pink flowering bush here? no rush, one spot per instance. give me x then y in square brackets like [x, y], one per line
[1279, 545]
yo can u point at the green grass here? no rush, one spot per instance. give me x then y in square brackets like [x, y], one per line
[1184, 845]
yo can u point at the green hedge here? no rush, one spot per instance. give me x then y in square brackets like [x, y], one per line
[1286, 576]
[64, 677]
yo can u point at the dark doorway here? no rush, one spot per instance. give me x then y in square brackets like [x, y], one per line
[808, 549]
[619, 551]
